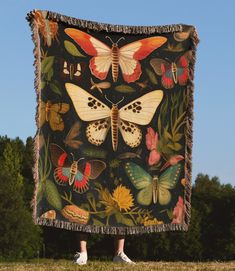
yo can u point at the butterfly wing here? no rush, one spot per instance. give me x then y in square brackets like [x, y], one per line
[101, 61]
[144, 197]
[55, 120]
[72, 134]
[86, 105]
[96, 168]
[167, 181]
[60, 160]
[61, 175]
[59, 157]
[142, 109]
[81, 178]
[130, 54]
[157, 63]
[141, 181]
[97, 131]
[131, 133]
[163, 68]
[183, 69]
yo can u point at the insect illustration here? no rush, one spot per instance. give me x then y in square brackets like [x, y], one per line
[70, 139]
[71, 71]
[100, 86]
[51, 113]
[128, 155]
[172, 72]
[104, 57]
[181, 36]
[153, 189]
[76, 173]
[47, 28]
[101, 117]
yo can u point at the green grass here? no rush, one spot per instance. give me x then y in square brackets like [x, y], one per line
[64, 265]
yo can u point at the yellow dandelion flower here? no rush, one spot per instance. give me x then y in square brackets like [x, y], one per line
[107, 200]
[122, 196]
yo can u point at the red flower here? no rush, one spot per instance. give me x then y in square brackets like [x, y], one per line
[151, 143]
[178, 212]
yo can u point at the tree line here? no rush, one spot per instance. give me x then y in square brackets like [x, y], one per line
[211, 234]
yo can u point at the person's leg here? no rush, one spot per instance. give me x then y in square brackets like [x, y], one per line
[83, 242]
[119, 242]
[119, 255]
[81, 256]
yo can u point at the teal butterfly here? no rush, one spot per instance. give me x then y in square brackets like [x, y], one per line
[154, 188]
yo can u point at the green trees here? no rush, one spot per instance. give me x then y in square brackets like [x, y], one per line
[19, 237]
[215, 204]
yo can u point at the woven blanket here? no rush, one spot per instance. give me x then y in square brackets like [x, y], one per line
[114, 125]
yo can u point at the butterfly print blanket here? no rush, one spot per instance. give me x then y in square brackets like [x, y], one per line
[113, 146]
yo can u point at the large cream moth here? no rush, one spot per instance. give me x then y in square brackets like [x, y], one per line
[126, 119]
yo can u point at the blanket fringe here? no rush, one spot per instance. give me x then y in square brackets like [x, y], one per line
[188, 128]
[108, 27]
[109, 229]
[37, 80]
[189, 132]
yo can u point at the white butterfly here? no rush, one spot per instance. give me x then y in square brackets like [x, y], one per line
[101, 117]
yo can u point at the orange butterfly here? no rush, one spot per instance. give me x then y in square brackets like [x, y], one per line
[127, 57]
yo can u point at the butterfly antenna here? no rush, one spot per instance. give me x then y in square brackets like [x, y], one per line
[80, 159]
[120, 101]
[107, 37]
[108, 99]
[72, 155]
[122, 38]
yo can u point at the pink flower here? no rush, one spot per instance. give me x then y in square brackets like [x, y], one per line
[172, 161]
[151, 143]
[178, 212]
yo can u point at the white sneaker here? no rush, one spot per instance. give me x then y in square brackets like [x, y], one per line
[80, 258]
[122, 258]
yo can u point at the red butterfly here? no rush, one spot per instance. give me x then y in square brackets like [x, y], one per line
[172, 72]
[74, 172]
[126, 57]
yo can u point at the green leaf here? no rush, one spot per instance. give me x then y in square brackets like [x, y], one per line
[90, 196]
[72, 49]
[170, 213]
[55, 87]
[97, 222]
[175, 146]
[123, 220]
[124, 89]
[167, 135]
[177, 137]
[42, 84]
[52, 195]
[98, 204]
[40, 191]
[47, 64]
[49, 74]
[152, 76]
[85, 206]
[101, 215]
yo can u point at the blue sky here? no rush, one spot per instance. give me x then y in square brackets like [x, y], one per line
[214, 125]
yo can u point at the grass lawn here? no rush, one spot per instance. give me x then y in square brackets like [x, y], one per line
[59, 265]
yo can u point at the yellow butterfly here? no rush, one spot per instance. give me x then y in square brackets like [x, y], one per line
[102, 118]
[49, 112]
